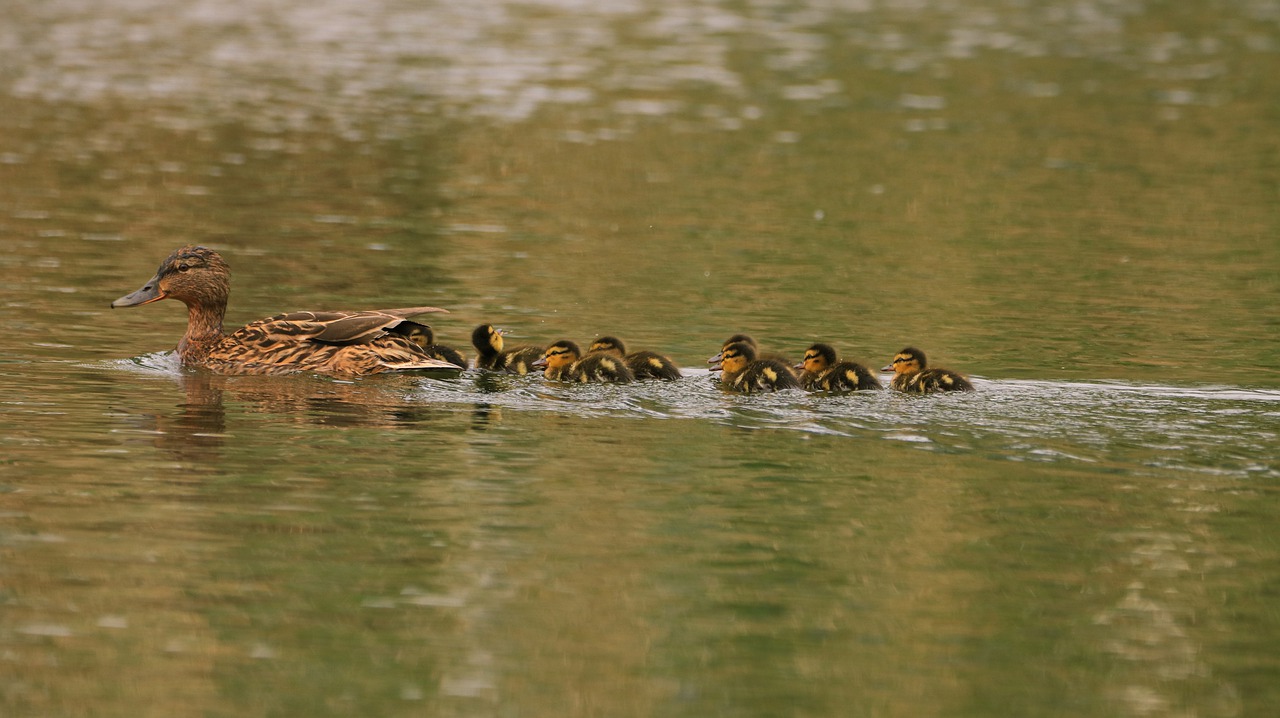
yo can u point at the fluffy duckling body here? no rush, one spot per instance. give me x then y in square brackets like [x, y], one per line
[743, 372]
[563, 361]
[493, 354]
[913, 375]
[821, 370]
[425, 338]
[643, 364]
[340, 343]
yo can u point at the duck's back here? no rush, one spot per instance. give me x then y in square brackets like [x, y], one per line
[652, 365]
[928, 381]
[844, 376]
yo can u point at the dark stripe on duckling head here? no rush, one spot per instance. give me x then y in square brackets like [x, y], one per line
[608, 344]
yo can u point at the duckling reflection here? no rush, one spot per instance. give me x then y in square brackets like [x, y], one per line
[743, 372]
[821, 370]
[563, 361]
[643, 364]
[493, 354]
[913, 375]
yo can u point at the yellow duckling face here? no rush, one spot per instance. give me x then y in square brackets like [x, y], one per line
[817, 359]
[558, 357]
[735, 358]
[487, 335]
[608, 345]
[421, 335]
[907, 361]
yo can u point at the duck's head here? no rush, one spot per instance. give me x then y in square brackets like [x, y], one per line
[907, 361]
[419, 334]
[735, 339]
[196, 276]
[818, 358]
[608, 345]
[486, 337]
[558, 356]
[734, 359]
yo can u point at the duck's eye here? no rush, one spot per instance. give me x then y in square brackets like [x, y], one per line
[183, 267]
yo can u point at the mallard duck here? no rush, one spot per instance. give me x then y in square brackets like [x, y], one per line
[492, 352]
[912, 375]
[822, 371]
[425, 338]
[643, 364]
[755, 347]
[563, 361]
[335, 342]
[743, 372]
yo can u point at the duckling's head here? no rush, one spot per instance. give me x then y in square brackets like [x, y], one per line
[735, 358]
[907, 361]
[608, 345]
[419, 334]
[735, 339]
[558, 356]
[818, 358]
[196, 276]
[486, 338]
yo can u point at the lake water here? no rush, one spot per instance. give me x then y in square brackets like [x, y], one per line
[1076, 203]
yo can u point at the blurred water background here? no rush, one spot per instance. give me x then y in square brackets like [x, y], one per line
[1075, 202]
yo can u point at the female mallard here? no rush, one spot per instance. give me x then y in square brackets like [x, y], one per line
[643, 364]
[337, 343]
[822, 371]
[563, 361]
[425, 338]
[493, 354]
[743, 372]
[911, 375]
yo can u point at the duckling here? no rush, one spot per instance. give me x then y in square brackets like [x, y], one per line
[422, 335]
[563, 361]
[339, 343]
[492, 354]
[821, 371]
[743, 372]
[911, 375]
[755, 347]
[643, 364]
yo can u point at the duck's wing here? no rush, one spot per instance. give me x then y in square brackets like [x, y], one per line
[339, 327]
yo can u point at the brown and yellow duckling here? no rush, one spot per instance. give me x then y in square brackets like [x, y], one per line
[643, 364]
[743, 372]
[563, 361]
[343, 343]
[821, 370]
[912, 374]
[425, 338]
[493, 354]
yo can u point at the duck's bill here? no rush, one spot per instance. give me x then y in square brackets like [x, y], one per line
[539, 363]
[716, 367]
[887, 368]
[149, 293]
[716, 359]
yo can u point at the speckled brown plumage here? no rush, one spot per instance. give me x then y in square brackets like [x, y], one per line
[333, 342]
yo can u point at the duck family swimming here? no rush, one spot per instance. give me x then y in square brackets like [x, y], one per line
[356, 343]
[341, 343]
